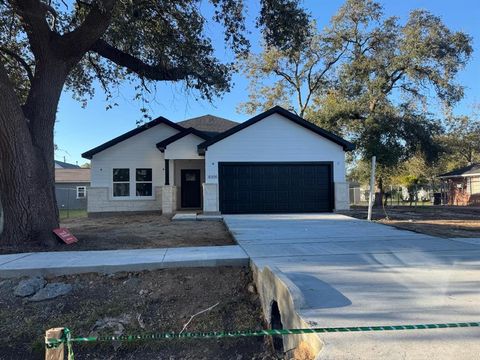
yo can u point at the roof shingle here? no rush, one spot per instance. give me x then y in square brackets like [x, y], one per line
[65, 165]
[209, 124]
[469, 170]
[72, 175]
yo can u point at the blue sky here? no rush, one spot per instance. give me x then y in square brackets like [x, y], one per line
[78, 130]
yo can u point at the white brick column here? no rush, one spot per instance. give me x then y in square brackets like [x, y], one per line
[342, 201]
[210, 198]
[169, 199]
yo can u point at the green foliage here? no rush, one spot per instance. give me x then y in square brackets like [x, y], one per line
[143, 42]
[289, 77]
[285, 24]
[461, 142]
[375, 76]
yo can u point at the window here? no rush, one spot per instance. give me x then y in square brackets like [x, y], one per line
[81, 192]
[190, 176]
[121, 182]
[143, 179]
[143, 183]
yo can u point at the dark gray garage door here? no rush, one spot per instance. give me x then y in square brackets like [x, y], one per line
[275, 187]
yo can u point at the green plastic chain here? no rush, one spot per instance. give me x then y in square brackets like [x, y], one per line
[68, 339]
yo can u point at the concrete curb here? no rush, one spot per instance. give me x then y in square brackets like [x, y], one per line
[274, 286]
[109, 261]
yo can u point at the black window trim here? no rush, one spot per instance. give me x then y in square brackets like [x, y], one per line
[121, 182]
[144, 182]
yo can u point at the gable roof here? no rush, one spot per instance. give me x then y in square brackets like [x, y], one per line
[347, 146]
[160, 120]
[65, 165]
[209, 124]
[163, 144]
[470, 170]
[79, 175]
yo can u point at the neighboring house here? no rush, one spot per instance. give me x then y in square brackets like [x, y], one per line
[276, 162]
[71, 188]
[462, 185]
[64, 165]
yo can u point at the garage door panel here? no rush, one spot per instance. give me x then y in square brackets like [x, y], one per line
[275, 187]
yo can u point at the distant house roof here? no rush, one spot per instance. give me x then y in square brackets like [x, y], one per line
[347, 146]
[163, 144]
[72, 175]
[209, 124]
[64, 165]
[160, 120]
[470, 170]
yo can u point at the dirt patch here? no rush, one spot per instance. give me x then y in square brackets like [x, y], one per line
[432, 220]
[145, 302]
[137, 232]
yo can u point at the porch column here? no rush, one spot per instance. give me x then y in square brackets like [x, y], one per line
[169, 192]
[167, 172]
[210, 198]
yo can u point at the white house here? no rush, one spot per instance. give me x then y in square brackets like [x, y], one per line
[276, 162]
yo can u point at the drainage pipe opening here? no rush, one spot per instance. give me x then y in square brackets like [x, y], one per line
[276, 324]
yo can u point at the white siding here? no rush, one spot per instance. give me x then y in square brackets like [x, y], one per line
[184, 148]
[139, 151]
[275, 138]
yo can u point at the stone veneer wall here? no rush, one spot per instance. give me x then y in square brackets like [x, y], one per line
[210, 198]
[99, 200]
[342, 200]
[169, 199]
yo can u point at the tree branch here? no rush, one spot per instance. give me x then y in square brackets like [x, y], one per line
[20, 60]
[35, 24]
[319, 77]
[160, 72]
[98, 71]
[77, 42]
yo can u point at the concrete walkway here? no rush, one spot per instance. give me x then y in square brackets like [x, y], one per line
[75, 262]
[347, 272]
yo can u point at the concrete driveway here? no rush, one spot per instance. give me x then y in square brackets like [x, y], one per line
[348, 272]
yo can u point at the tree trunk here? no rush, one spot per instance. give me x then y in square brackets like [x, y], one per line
[379, 197]
[27, 177]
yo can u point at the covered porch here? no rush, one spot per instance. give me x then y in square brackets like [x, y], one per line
[184, 172]
[183, 185]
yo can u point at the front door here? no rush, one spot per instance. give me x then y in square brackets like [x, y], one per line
[190, 189]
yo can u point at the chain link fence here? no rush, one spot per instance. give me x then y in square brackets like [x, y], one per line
[397, 195]
[71, 200]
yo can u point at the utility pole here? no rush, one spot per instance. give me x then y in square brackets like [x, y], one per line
[372, 189]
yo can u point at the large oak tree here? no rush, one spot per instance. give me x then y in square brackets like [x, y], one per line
[369, 77]
[47, 46]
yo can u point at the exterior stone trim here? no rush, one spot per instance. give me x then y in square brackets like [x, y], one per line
[99, 200]
[169, 199]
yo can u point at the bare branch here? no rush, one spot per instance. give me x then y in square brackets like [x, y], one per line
[319, 77]
[193, 316]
